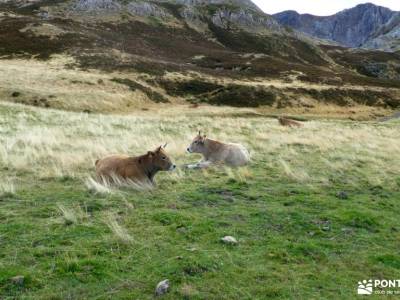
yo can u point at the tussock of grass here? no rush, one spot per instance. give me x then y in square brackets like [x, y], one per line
[97, 187]
[72, 215]
[68, 215]
[239, 175]
[119, 232]
[109, 186]
[7, 187]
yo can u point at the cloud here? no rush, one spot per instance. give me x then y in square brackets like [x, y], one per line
[319, 7]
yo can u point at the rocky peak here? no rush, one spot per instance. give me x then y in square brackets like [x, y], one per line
[351, 27]
[227, 14]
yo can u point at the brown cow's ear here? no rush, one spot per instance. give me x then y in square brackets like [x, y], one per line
[158, 149]
[150, 153]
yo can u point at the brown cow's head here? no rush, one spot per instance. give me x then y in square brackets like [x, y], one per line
[197, 145]
[160, 159]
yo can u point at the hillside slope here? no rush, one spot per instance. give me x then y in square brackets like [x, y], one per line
[213, 47]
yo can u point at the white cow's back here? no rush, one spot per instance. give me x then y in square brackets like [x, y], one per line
[236, 155]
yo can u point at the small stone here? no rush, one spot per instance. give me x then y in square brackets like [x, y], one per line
[229, 240]
[162, 287]
[15, 94]
[342, 195]
[18, 280]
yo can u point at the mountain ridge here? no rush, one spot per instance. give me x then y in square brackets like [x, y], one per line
[362, 26]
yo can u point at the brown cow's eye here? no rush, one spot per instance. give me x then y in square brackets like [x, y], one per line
[196, 142]
[164, 158]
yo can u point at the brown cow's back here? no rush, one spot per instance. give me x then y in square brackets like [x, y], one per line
[121, 166]
[139, 169]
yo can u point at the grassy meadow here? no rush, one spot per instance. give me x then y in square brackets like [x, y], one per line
[315, 212]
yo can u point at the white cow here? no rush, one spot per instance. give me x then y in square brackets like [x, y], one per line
[234, 155]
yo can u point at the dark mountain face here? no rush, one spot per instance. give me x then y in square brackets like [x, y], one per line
[353, 27]
[154, 27]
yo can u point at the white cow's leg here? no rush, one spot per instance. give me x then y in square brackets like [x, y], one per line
[194, 166]
[204, 164]
[200, 165]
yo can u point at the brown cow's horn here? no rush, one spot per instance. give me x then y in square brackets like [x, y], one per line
[165, 145]
[199, 132]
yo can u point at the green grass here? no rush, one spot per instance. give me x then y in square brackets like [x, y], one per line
[296, 240]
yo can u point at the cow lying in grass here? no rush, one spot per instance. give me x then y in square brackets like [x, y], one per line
[139, 169]
[234, 155]
[288, 122]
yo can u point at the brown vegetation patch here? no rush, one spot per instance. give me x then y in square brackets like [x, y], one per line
[345, 97]
[239, 96]
[133, 86]
[191, 87]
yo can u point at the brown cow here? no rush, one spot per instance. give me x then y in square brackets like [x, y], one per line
[288, 122]
[139, 169]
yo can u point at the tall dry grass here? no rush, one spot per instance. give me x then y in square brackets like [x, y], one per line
[49, 143]
[7, 187]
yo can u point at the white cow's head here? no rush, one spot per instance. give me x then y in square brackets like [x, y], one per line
[197, 145]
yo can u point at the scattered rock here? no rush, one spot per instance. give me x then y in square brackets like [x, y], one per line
[18, 280]
[326, 228]
[181, 230]
[229, 240]
[162, 287]
[342, 195]
[15, 94]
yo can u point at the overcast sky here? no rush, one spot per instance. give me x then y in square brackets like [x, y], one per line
[318, 7]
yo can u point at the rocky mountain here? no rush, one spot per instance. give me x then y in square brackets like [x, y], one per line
[365, 26]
